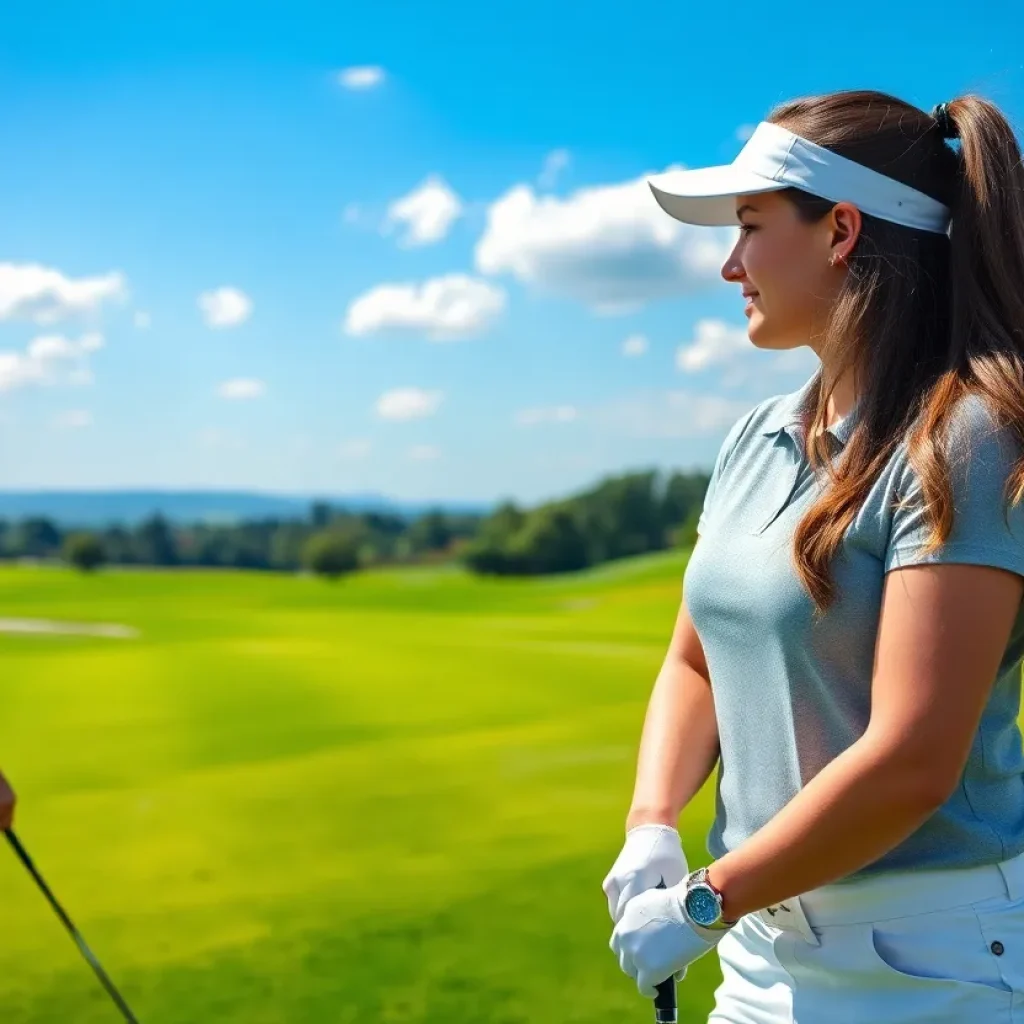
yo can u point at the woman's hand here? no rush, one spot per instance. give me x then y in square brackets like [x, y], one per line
[7, 801]
[655, 939]
[652, 853]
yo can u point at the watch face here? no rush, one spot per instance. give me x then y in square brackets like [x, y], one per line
[702, 905]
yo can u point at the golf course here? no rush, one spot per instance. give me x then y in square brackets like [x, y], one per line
[274, 799]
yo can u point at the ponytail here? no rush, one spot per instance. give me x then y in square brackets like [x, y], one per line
[987, 262]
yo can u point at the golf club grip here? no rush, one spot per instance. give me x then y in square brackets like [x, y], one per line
[665, 1008]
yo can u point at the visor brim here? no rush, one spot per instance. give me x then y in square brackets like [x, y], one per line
[707, 196]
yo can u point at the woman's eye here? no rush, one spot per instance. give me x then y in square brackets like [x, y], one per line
[745, 229]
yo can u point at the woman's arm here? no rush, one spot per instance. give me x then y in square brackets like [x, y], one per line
[679, 741]
[942, 635]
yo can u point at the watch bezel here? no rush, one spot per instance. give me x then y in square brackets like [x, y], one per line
[693, 887]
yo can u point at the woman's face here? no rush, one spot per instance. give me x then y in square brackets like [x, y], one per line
[782, 264]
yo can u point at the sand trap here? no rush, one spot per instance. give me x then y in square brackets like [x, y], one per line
[108, 629]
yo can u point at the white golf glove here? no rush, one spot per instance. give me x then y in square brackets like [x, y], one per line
[655, 939]
[652, 853]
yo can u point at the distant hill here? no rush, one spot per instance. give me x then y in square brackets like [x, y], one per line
[102, 508]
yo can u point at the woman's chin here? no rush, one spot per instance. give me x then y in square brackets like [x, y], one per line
[757, 330]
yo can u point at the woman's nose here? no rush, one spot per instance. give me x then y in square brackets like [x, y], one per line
[732, 269]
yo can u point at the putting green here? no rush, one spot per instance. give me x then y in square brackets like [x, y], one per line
[387, 799]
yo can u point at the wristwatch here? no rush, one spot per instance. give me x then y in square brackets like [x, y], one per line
[703, 902]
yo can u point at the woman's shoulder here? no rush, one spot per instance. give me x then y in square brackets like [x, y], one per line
[975, 440]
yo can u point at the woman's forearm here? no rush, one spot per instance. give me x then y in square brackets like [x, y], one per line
[852, 812]
[678, 745]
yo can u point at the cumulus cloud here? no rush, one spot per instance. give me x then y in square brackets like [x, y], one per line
[717, 344]
[363, 77]
[50, 359]
[73, 419]
[444, 308]
[225, 307]
[555, 163]
[669, 414]
[550, 414]
[427, 213]
[408, 403]
[714, 343]
[634, 345]
[242, 388]
[424, 452]
[611, 247]
[33, 292]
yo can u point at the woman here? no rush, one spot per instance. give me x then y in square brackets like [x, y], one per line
[849, 645]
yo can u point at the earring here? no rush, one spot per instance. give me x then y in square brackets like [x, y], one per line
[834, 259]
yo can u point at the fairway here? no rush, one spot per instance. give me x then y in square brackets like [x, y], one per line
[392, 798]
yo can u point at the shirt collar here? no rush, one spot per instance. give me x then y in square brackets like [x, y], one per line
[786, 413]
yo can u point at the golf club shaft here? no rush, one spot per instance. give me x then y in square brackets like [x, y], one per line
[665, 1008]
[67, 922]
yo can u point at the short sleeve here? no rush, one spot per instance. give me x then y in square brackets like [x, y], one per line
[726, 449]
[986, 531]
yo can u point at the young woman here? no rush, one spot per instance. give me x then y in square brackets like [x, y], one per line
[849, 645]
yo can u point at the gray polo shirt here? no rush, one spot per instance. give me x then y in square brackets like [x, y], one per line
[791, 695]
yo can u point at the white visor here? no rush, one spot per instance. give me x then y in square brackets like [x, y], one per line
[773, 159]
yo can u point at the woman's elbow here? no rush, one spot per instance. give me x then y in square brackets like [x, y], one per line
[926, 780]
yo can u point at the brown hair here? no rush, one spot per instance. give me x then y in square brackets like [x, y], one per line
[923, 319]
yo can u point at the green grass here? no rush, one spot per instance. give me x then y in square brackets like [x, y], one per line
[388, 799]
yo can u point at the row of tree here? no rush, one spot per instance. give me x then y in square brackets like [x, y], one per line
[621, 516]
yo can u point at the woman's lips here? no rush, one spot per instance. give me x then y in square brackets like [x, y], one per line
[749, 308]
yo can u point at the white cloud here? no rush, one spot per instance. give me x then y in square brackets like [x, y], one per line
[225, 307]
[611, 247]
[45, 295]
[142, 320]
[427, 213]
[552, 414]
[50, 359]
[718, 344]
[634, 345]
[445, 308]
[365, 77]
[745, 131]
[424, 452]
[73, 419]
[715, 343]
[408, 403]
[358, 448]
[242, 387]
[669, 414]
[556, 162]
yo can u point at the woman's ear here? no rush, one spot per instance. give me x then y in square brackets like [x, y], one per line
[845, 224]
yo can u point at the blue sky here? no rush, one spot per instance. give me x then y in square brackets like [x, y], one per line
[224, 262]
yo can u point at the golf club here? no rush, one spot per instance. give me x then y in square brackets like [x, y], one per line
[79, 941]
[665, 1011]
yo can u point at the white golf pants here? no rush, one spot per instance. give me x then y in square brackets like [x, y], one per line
[922, 947]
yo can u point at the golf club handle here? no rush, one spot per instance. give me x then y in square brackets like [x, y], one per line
[665, 1006]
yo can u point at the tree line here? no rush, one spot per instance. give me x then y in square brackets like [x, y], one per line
[620, 516]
